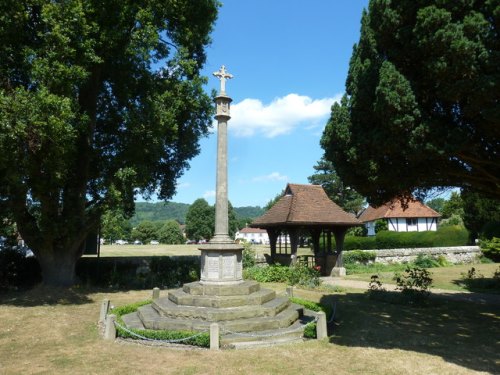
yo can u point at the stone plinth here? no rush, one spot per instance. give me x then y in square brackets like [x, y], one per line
[221, 263]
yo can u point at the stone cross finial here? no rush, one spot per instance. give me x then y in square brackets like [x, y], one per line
[223, 75]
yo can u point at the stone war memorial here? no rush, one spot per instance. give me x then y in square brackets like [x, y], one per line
[240, 312]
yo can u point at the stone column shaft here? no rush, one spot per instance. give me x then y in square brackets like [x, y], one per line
[221, 201]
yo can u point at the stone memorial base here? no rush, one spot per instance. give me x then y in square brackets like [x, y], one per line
[221, 264]
[246, 314]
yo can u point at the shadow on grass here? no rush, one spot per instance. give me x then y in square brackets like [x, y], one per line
[45, 295]
[462, 333]
[480, 284]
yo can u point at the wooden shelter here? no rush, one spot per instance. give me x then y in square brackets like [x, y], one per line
[306, 210]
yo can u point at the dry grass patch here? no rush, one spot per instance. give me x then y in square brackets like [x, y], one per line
[46, 331]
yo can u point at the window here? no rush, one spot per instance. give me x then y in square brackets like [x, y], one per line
[411, 222]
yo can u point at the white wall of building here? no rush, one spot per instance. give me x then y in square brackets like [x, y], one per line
[420, 224]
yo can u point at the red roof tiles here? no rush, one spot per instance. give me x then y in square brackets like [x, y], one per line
[305, 205]
[394, 210]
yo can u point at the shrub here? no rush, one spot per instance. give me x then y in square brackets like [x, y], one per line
[490, 229]
[359, 243]
[310, 331]
[358, 256]
[414, 284]
[427, 261]
[381, 225]
[491, 249]
[298, 274]
[248, 256]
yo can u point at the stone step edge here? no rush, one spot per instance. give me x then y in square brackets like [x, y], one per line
[292, 313]
[214, 314]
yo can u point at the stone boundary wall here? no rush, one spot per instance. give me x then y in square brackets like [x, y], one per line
[455, 254]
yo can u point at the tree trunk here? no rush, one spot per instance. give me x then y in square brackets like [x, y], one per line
[58, 266]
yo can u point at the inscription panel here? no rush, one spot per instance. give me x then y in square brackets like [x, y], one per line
[228, 266]
[212, 266]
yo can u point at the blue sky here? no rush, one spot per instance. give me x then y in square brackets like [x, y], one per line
[289, 59]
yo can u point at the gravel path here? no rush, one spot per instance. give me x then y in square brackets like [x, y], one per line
[464, 296]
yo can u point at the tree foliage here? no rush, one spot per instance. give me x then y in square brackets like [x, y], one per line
[481, 215]
[115, 226]
[146, 231]
[170, 233]
[200, 220]
[421, 104]
[337, 191]
[98, 101]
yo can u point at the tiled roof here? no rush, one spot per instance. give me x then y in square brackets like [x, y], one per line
[305, 205]
[394, 210]
[252, 230]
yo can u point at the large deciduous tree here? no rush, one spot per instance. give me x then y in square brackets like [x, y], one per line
[421, 108]
[98, 101]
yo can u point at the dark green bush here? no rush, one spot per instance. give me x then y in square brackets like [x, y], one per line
[381, 225]
[357, 256]
[491, 249]
[490, 229]
[298, 274]
[453, 235]
[359, 243]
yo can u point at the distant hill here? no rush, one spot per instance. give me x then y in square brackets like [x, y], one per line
[161, 211]
[248, 211]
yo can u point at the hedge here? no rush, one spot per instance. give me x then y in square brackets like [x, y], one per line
[453, 235]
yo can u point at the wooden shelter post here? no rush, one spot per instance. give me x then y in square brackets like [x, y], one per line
[315, 236]
[339, 234]
[294, 242]
[273, 237]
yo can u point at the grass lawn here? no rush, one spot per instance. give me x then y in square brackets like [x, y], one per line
[171, 250]
[443, 277]
[50, 331]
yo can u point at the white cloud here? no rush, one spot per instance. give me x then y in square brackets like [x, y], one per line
[275, 176]
[250, 116]
[209, 194]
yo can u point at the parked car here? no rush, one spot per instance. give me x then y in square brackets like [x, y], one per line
[137, 242]
[190, 242]
[154, 242]
[121, 242]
